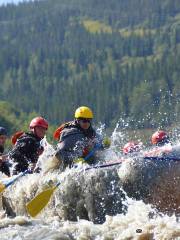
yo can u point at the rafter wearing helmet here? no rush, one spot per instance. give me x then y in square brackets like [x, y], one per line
[27, 146]
[160, 138]
[76, 138]
[132, 147]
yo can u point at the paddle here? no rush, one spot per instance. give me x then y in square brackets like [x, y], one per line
[103, 165]
[35, 206]
[163, 158]
[39, 202]
[4, 185]
[91, 153]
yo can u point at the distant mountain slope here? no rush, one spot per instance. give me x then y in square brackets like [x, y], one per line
[122, 58]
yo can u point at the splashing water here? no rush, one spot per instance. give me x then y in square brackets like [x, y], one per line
[96, 195]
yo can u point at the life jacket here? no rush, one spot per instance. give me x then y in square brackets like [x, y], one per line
[58, 131]
[15, 137]
[18, 135]
[21, 134]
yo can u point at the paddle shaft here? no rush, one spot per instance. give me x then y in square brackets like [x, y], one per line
[16, 178]
[162, 158]
[94, 167]
[103, 165]
[91, 153]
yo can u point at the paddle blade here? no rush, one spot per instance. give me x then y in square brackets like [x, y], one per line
[2, 187]
[35, 206]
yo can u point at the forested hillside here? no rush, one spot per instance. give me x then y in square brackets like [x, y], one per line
[120, 57]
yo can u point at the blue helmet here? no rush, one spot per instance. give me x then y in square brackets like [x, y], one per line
[3, 131]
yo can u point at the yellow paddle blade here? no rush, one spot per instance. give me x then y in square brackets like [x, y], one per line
[2, 187]
[35, 206]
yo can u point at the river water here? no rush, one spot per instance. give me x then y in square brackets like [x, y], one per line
[135, 224]
[82, 195]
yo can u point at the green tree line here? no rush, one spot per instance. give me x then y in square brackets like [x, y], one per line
[51, 62]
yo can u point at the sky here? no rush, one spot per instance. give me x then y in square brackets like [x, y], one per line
[10, 1]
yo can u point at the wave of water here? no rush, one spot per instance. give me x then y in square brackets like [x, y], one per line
[96, 195]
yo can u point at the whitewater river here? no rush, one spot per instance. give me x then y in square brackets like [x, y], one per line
[87, 205]
[134, 225]
[139, 222]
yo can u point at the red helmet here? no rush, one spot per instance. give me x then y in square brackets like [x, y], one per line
[131, 147]
[38, 122]
[159, 136]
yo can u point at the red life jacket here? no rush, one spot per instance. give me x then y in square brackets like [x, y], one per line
[58, 131]
[15, 137]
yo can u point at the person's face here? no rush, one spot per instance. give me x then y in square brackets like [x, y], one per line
[40, 131]
[2, 139]
[84, 123]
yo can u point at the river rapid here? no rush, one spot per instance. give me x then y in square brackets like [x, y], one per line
[87, 205]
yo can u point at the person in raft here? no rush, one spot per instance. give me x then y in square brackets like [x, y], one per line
[160, 138]
[132, 148]
[27, 146]
[77, 139]
[162, 145]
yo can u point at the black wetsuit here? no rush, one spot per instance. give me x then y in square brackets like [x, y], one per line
[25, 152]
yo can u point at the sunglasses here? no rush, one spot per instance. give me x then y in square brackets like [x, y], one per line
[84, 120]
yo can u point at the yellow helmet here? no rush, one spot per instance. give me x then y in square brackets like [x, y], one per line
[83, 112]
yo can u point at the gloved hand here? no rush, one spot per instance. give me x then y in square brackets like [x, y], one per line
[80, 160]
[106, 142]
